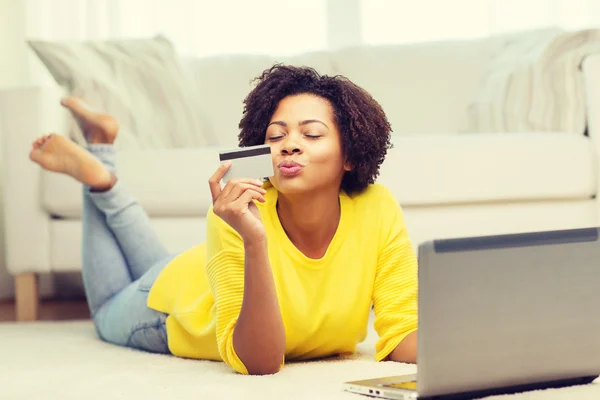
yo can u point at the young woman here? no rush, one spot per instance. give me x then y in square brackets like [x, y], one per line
[291, 266]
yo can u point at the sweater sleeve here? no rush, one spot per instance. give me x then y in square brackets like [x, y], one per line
[395, 287]
[225, 273]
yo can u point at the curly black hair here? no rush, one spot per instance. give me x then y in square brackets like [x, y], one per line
[363, 126]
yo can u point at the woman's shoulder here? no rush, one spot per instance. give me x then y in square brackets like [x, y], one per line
[374, 205]
[374, 193]
[375, 211]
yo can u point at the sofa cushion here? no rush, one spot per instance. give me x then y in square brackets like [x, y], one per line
[455, 169]
[420, 170]
[535, 84]
[225, 81]
[167, 183]
[176, 234]
[140, 81]
[423, 88]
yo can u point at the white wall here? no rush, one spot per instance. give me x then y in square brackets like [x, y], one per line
[13, 72]
[13, 52]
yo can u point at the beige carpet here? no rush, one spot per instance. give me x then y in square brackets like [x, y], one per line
[65, 360]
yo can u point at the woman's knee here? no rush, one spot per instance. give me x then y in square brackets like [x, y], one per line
[103, 333]
[126, 320]
[151, 338]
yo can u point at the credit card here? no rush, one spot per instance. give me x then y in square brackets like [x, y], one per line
[252, 162]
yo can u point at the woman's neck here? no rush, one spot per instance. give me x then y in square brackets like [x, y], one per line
[310, 221]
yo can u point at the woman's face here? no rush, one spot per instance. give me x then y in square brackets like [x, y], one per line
[305, 144]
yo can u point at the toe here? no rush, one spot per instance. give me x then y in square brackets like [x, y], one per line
[45, 138]
[69, 102]
[74, 104]
[34, 154]
[66, 102]
[39, 141]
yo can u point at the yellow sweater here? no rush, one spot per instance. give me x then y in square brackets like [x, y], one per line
[325, 303]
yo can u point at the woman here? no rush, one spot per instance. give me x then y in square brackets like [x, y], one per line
[290, 267]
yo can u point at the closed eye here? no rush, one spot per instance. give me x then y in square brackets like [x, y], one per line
[274, 138]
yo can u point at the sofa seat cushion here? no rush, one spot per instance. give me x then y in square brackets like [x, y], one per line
[167, 183]
[420, 170]
[473, 168]
[176, 234]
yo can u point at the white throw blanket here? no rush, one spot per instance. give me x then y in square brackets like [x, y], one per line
[65, 360]
[534, 83]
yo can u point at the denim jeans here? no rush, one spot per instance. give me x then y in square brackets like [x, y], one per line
[122, 256]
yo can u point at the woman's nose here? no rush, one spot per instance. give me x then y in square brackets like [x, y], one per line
[290, 150]
[290, 146]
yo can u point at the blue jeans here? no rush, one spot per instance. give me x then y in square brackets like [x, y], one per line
[122, 256]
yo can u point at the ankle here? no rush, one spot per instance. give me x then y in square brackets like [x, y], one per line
[105, 187]
[100, 138]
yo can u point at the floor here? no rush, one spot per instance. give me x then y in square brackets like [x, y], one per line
[65, 360]
[50, 310]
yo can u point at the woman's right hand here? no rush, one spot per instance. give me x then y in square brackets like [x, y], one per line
[234, 203]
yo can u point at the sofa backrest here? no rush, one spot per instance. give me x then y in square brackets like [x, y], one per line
[423, 88]
[223, 82]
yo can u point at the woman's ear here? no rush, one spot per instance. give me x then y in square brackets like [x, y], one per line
[348, 166]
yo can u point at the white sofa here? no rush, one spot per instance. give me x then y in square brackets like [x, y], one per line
[449, 184]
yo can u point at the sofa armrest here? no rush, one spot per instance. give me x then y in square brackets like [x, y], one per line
[591, 78]
[25, 114]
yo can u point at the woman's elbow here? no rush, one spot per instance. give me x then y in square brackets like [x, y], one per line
[261, 362]
[265, 368]
[406, 351]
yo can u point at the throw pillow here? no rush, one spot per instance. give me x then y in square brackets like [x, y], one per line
[139, 81]
[534, 83]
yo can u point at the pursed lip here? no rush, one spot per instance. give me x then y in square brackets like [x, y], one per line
[289, 164]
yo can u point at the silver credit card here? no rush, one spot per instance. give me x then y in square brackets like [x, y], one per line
[252, 162]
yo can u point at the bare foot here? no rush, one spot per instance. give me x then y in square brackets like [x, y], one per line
[59, 154]
[96, 127]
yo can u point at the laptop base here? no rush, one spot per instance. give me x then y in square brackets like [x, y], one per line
[515, 389]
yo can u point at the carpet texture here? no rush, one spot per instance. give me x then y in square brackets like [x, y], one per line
[65, 360]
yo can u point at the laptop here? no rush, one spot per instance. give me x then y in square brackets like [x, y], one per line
[503, 314]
